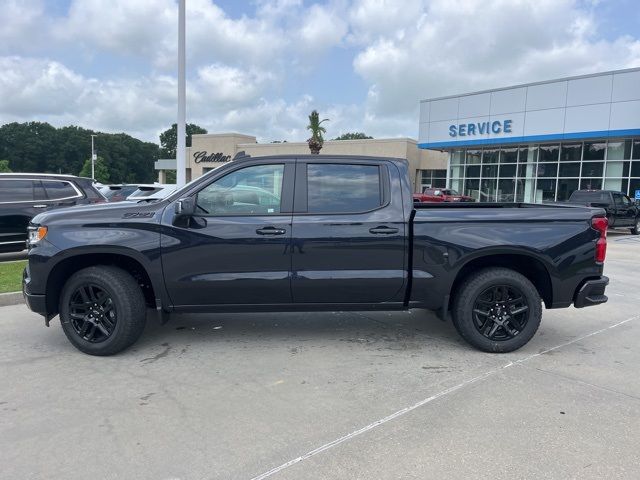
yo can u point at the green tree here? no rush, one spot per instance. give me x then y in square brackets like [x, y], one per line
[353, 136]
[4, 166]
[170, 176]
[315, 127]
[101, 170]
[39, 147]
[169, 138]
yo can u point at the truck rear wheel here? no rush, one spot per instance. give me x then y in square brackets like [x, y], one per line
[497, 310]
[102, 310]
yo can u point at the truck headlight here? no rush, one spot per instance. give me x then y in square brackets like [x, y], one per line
[36, 234]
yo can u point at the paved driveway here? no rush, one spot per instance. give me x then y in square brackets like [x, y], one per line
[329, 396]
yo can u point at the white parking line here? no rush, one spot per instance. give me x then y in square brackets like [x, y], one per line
[430, 399]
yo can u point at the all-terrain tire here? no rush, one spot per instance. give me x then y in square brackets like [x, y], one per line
[635, 230]
[126, 300]
[471, 299]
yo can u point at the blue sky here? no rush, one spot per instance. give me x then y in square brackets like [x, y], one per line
[260, 67]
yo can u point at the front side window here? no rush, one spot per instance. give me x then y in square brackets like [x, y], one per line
[16, 190]
[255, 190]
[617, 197]
[621, 199]
[343, 188]
[57, 189]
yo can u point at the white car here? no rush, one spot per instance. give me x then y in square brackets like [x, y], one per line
[154, 191]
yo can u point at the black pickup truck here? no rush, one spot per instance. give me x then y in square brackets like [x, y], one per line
[321, 233]
[621, 211]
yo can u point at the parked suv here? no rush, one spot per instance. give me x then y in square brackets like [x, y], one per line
[622, 212]
[24, 195]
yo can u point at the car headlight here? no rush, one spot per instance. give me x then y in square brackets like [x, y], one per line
[36, 234]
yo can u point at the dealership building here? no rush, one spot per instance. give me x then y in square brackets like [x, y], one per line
[208, 151]
[541, 141]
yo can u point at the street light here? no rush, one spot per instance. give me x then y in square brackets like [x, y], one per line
[93, 159]
[181, 174]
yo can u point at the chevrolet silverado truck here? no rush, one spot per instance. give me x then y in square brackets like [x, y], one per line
[311, 233]
[621, 211]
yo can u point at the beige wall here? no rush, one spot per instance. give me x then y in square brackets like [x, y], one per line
[229, 144]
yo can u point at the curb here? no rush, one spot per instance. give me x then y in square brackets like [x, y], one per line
[11, 298]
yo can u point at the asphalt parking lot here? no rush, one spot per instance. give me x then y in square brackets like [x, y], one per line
[329, 396]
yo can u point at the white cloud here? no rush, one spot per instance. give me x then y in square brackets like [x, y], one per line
[229, 86]
[118, 26]
[455, 48]
[322, 28]
[240, 66]
[36, 87]
[23, 26]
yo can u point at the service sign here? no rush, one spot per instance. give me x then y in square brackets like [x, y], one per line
[480, 128]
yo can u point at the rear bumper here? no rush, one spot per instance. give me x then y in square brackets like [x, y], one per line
[591, 293]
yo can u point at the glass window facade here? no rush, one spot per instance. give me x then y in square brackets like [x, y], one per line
[433, 179]
[545, 172]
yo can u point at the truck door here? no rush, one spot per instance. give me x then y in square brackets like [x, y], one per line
[625, 213]
[235, 249]
[349, 237]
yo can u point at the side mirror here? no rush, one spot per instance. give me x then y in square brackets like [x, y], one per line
[185, 207]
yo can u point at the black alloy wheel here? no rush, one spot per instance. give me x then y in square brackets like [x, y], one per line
[92, 313]
[497, 309]
[102, 310]
[500, 312]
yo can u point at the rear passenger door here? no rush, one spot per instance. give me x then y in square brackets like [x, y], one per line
[348, 241]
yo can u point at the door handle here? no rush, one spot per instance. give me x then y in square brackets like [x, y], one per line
[383, 230]
[40, 206]
[271, 231]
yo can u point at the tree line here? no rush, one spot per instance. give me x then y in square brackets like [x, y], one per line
[40, 147]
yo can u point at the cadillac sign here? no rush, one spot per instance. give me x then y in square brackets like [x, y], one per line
[202, 157]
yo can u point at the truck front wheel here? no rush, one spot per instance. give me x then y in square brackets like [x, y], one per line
[102, 310]
[636, 227]
[497, 310]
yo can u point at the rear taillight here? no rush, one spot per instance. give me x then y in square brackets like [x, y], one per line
[600, 224]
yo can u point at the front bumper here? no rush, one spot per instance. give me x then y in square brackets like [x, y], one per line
[591, 293]
[36, 303]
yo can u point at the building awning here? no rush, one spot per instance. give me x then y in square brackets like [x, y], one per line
[166, 164]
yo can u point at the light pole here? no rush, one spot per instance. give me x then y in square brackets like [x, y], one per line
[181, 174]
[93, 159]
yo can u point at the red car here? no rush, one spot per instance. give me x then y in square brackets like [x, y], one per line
[440, 195]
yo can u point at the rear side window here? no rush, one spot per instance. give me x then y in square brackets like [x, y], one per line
[57, 189]
[16, 190]
[343, 188]
[594, 197]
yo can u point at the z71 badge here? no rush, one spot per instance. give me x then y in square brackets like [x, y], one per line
[139, 215]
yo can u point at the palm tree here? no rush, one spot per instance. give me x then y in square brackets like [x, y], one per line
[315, 125]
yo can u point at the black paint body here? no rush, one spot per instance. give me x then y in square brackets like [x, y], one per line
[398, 256]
